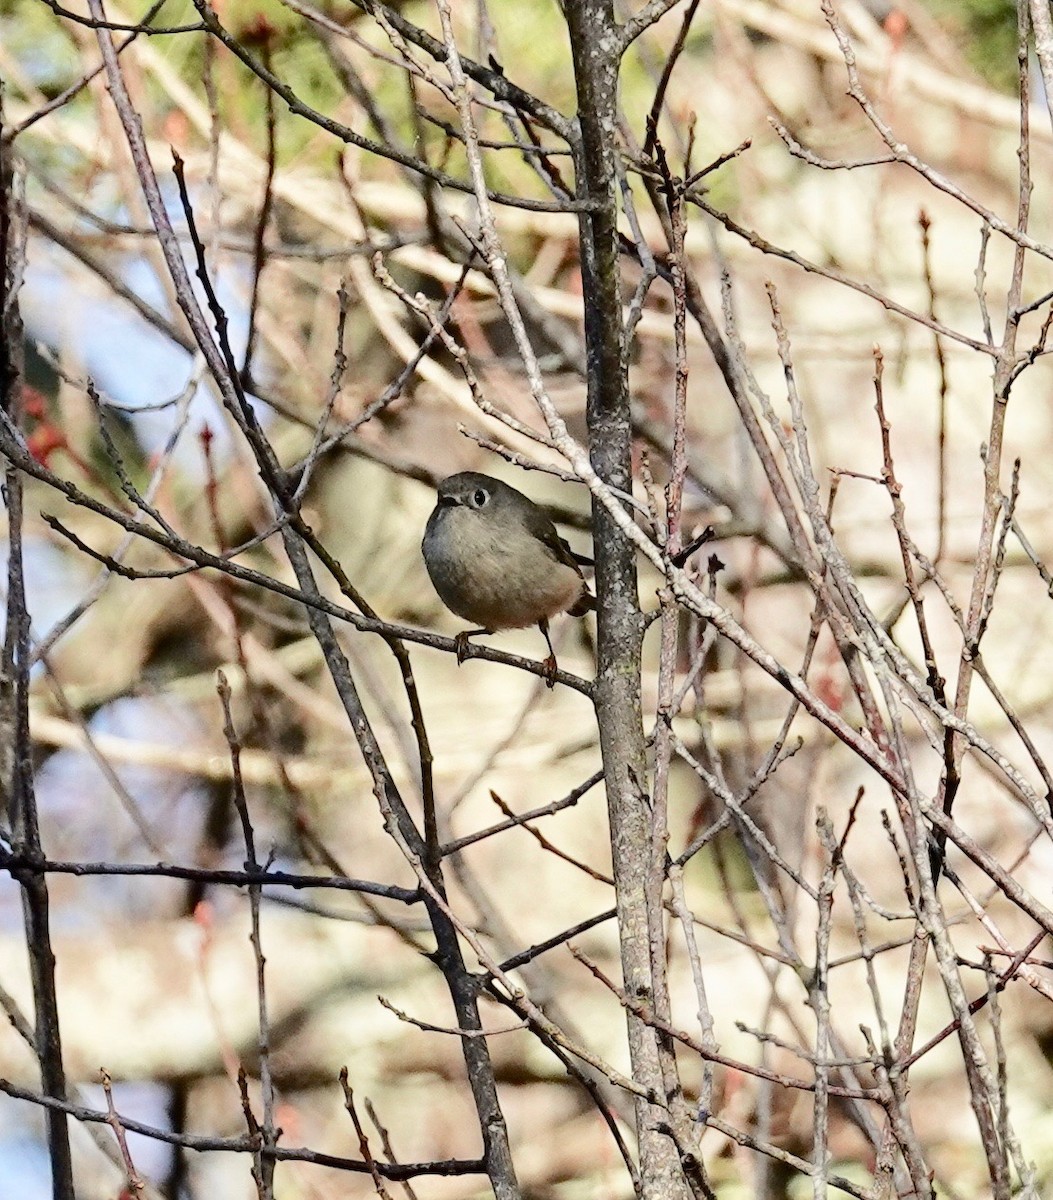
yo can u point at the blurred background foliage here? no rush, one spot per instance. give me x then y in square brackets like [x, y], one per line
[986, 31]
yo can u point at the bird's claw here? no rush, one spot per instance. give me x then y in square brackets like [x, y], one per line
[460, 643]
[551, 667]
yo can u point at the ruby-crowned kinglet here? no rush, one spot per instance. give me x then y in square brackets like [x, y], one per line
[496, 560]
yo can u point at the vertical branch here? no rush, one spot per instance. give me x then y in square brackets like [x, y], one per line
[667, 73]
[135, 1184]
[259, 253]
[681, 1121]
[594, 40]
[16, 764]
[264, 1166]
[1004, 374]
[899, 522]
[1042, 25]
[819, 998]
[925, 224]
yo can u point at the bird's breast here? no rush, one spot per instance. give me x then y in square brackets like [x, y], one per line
[492, 577]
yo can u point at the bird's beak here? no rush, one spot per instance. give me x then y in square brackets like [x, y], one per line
[448, 501]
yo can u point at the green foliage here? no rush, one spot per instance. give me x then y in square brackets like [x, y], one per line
[530, 42]
[987, 29]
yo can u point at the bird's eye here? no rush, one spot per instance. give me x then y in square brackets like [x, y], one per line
[479, 497]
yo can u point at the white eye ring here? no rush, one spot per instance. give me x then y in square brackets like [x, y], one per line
[479, 497]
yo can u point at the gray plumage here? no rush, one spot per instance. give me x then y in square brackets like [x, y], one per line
[496, 559]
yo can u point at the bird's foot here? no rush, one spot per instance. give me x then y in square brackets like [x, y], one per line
[551, 667]
[460, 642]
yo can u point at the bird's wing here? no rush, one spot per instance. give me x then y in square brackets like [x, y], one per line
[543, 529]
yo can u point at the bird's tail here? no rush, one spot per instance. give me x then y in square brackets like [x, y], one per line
[586, 602]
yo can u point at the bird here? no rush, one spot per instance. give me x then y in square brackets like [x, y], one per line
[496, 560]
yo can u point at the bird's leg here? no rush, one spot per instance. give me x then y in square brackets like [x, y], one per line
[550, 663]
[461, 642]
